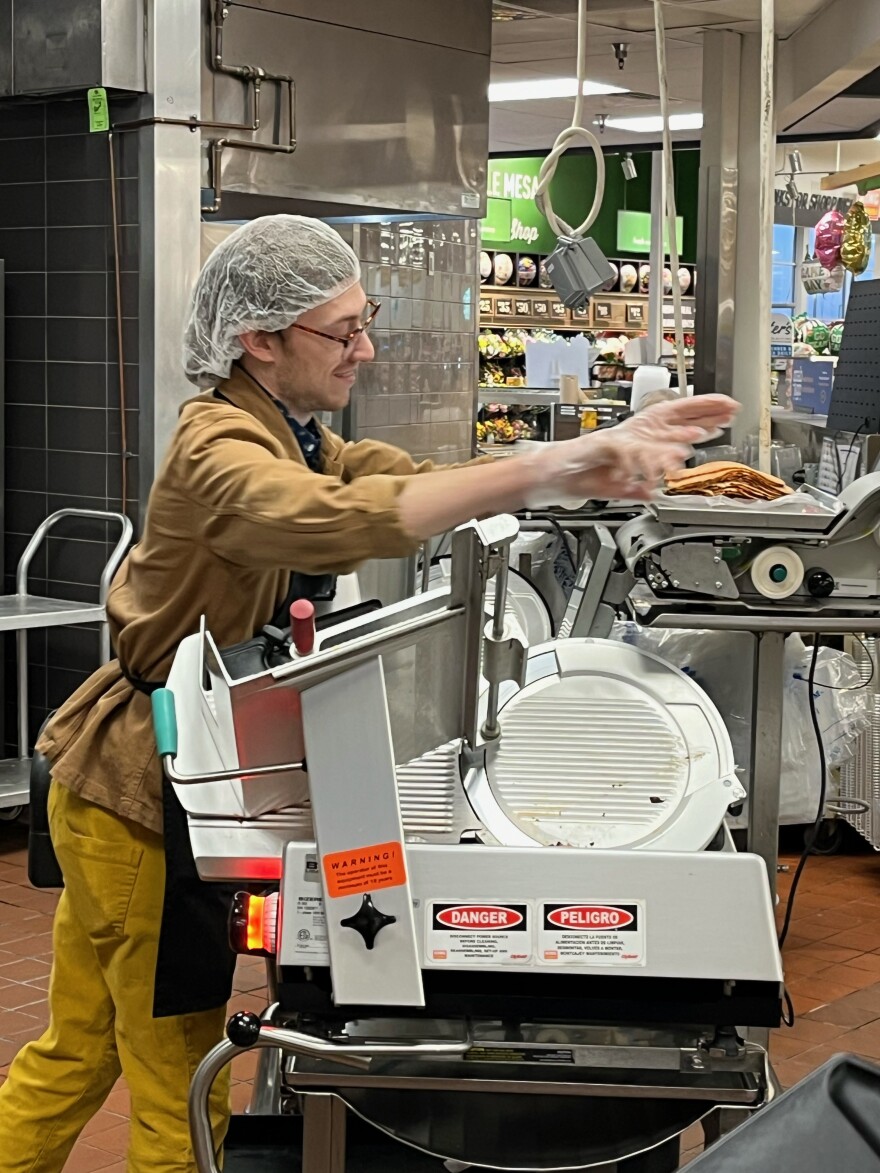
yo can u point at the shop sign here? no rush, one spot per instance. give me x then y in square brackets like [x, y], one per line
[781, 336]
[634, 232]
[812, 202]
[512, 217]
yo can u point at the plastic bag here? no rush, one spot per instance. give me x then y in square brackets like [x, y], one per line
[721, 663]
[842, 716]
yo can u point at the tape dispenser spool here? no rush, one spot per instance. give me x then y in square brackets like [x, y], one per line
[777, 572]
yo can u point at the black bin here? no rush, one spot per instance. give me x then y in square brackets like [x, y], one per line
[830, 1121]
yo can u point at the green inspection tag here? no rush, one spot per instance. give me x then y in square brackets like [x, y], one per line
[99, 110]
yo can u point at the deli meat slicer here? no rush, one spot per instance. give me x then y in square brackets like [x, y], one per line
[504, 920]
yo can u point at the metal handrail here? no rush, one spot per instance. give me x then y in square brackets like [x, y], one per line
[21, 585]
[110, 567]
[357, 1055]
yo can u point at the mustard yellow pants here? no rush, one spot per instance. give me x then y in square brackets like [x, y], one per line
[106, 938]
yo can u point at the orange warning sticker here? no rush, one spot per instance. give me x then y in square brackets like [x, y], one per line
[365, 869]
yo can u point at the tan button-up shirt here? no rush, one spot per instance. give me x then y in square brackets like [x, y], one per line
[234, 509]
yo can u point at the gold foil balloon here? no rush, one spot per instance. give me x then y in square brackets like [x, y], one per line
[856, 248]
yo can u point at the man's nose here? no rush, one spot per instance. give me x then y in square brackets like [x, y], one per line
[364, 350]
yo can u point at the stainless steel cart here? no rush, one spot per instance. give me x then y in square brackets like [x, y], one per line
[23, 611]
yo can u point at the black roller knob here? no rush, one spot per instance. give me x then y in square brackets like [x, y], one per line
[820, 584]
[243, 1029]
[368, 921]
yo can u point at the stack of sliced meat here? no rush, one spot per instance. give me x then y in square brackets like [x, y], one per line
[725, 478]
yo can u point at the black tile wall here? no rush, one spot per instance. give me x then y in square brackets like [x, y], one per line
[62, 422]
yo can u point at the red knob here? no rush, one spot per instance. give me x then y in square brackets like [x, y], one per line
[302, 626]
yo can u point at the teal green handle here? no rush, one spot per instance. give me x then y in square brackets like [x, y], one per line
[165, 722]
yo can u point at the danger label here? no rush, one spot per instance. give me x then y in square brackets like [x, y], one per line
[592, 934]
[366, 869]
[478, 934]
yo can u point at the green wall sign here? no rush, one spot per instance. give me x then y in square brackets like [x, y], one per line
[514, 224]
[634, 232]
[513, 182]
[497, 224]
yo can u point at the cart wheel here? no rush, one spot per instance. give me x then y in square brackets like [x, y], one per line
[829, 839]
[8, 814]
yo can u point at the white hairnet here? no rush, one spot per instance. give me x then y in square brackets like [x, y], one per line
[262, 277]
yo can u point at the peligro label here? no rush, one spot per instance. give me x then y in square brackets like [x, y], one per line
[478, 933]
[587, 933]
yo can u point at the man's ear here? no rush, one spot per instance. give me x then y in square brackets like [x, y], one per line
[259, 344]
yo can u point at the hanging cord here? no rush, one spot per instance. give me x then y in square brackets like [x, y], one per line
[813, 833]
[564, 141]
[123, 430]
[669, 185]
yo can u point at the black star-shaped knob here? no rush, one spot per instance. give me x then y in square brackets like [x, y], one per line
[368, 921]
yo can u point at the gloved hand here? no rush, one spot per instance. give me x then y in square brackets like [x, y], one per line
[628, 461]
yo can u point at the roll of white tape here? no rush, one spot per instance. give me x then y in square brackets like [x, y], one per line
[777, 572]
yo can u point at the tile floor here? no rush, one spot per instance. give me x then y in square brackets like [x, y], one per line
[832, 961]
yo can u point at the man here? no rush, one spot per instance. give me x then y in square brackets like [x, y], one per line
[252, 492]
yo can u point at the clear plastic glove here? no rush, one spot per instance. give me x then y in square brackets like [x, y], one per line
[629, 461]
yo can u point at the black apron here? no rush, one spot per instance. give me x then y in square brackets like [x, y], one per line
[195, 965]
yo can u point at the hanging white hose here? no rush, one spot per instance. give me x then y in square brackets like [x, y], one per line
[660, 39]
[565, 140]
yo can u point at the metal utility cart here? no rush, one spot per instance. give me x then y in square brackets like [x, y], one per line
[22, 611]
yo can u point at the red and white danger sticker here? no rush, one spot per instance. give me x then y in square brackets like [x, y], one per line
[588, 933]
[486, 933]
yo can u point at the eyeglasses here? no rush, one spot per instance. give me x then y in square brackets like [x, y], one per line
[347, 341]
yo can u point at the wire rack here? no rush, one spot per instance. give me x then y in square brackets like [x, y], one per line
[860, 777]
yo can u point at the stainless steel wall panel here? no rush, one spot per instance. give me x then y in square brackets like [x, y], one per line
[382, 121]
[66, 45]
[459, 24]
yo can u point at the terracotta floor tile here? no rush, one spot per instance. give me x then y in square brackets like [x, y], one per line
[870, 962]
[818, 986]
[824, 949]
[17, 995]
[86, 1159]
[869, 998]
[114, 1140]
[32, 945]
[25, 969]
[782, 1047]
[796, 961]
[8, 1051]
[863, 939]
[119, 1101]
[12, 913]
[240, 1097]
[791, 1071]
[841, 919]
[804, 1004]
[245, 1066]
[849, 975]
[14, 1021]
[40, 983]
[808, 930]
[254, 1000]
[812, 1031]
[247, 982]
[101, 1122]
[844, 1015]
